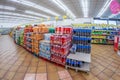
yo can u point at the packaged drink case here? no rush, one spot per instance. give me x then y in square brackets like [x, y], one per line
[57, 58]
[47, 36]
[74, 63]
[63, 30]
[73, 49]
[60, 39]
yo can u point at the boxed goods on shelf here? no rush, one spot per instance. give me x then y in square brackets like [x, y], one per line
[82, 41]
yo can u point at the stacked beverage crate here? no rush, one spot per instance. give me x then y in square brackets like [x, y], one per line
[60, 44]
[80, 57]
[18, 35]
[45, 47]
[37, 36]
[21, 42]
[27, 37]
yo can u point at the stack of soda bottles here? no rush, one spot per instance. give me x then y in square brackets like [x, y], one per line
[82, 39]
[21, 37]
[60, 44]
[45, 47]
[37, 36]
[17, 35]
[81, 44]
[27, 37]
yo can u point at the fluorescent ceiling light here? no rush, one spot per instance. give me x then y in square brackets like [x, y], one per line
[64, 7]
[34, 5]
[84, 4]
[113, 15]
[37, 14]
[16, 14]
[7, 7]
[14, 17]
[104, 8]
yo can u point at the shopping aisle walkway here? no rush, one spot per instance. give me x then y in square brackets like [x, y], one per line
[18, 64]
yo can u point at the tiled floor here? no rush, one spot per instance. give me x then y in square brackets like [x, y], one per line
[18, 64]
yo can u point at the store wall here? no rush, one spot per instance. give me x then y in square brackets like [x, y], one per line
[7, 25]
[70, 21]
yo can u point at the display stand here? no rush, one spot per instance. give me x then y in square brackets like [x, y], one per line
[82, 54]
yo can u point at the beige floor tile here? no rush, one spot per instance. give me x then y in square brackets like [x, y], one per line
[2, 73]
[116, 76]
[14, 68]
[41, 69]
[108, 72]
[19, 76]
[9, 75]
[53, 76]
[29, 76]
[42, 76]
[51, 68]
[31, 69]
[22, 69]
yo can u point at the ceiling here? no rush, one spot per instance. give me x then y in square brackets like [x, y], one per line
[94, 7]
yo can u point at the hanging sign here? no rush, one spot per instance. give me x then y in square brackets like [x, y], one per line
[115, 7]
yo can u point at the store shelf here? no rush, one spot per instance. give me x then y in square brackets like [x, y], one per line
[80, 57]
[85, 67]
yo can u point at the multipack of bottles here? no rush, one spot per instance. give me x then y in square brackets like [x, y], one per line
[45, 49]
[63, 30]
[82, 32]
[82, 39]
[27, 37]
[47, 36]
[60, 45]
[74, 63]
[60, 39]
[37, 36]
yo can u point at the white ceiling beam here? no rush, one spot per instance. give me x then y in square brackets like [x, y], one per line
[34, 5]
[61, 5]
[104, 8]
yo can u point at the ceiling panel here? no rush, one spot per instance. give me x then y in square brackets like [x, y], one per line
[74, 5]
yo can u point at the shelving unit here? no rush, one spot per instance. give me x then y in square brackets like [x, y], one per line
[85, 67]
[103, 36]
[79, 59]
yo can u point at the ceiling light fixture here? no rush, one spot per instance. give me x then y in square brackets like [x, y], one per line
[64, 7]
[34, 5]
[7, 7]
[84, 4]
[104, 8]
[37, 14]
[16, 14]
[14, 17]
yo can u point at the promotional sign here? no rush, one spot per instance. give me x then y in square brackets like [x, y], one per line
[115, 7]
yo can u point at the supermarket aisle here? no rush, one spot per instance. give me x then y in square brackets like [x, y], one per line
[17, 64]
